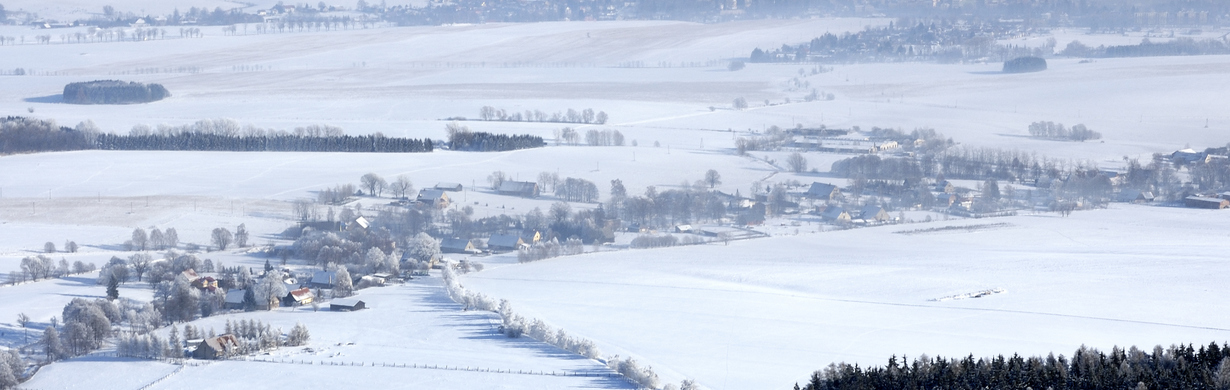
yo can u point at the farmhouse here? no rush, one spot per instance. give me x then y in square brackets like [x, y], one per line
[874, 214]
[505, 242]
[523, 189]
[216, 347]
[823, 191]
[431, 197]
[457, 245]
[1201, 202]
[945, 187]
[298, 297]
[835, 214]
[324, 279]
[348, 304]
[234, 299]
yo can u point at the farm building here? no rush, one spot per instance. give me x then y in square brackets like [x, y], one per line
[433, 198]
[324, 279]
[347, 304]
[523, 189]
[835, 214]
[1201, 202]
[457, 245]
[874, 214]
[454, 187]
[298, 297]
[234, 299]
[505, 242]
[823, 191]
[216, 347]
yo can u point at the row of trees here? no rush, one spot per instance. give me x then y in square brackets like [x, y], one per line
[155, 240]
[1058, 131]
[1177, 367]
[489, 113]
[23, 135]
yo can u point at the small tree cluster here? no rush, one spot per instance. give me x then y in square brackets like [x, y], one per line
[1058, 131]
[652, 241]
[87, 323]
[577, 190]
[338, 194]
[631, 369]
[604, 138]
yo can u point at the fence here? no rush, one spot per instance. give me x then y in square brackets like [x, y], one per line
[578, 373]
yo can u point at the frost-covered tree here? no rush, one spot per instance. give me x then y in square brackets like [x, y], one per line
[271, 289]
[49, 247]
[157, 240]
[796, 162]
[241, 235]
[713, 178]
[172, 238]
[424, 248]
[140, 263]
[344, 286]
[139, 239]
[298, 335]
[70, 247]
[51, 344]
[221, 238]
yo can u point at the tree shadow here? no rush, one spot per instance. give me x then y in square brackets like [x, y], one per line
[988, 72]
[57, 98]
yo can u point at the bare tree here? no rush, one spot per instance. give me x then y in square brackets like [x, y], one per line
[496, 179]
[796, 162]
[402, 186]
[740, 103]
[140, 263]
[172, 238]
[712, 178]
[374, 184]
[222, 238]
[139, 239]
[49, 247]
[241, 236]
[70, 247]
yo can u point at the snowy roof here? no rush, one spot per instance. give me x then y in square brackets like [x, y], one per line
[234, 296]
[362, 222]
[349, 302]
[431, 194]
[324, 277]
[302, 294]
[455, 244]
[518, 186]
[446, 186]
[833, 212]
[870, 211]
[503, 240]
[821, 189]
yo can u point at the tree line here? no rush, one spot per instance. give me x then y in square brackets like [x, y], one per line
[113, 92]
[1058, 131]
[1177, 367]
[461, 138]
[25, 135]
[489, 113]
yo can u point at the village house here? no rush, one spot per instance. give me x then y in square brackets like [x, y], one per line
[299, 297]
[454, 187]
[823, 191]
[457, 245]
[835, 214]
[430, 197]
[216, 347]
[323, 279]
[1135, 196]
[234, 299]
[505, 242]
[874, 214]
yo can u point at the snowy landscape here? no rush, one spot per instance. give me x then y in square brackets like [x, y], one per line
[646, 206]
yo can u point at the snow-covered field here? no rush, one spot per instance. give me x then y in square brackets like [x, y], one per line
[765, 313]
[759, 313]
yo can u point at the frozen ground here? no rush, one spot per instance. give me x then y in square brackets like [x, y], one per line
[765, 313]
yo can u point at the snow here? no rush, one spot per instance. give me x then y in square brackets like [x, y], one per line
[765, 313]
[748, 314]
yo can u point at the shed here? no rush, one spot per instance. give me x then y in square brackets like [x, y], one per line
[448, 187]
[523, 189]
[683, 229]
[216, 347]
[298, 297]
[347, 304]
[1135, 196]
[1201, 202]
